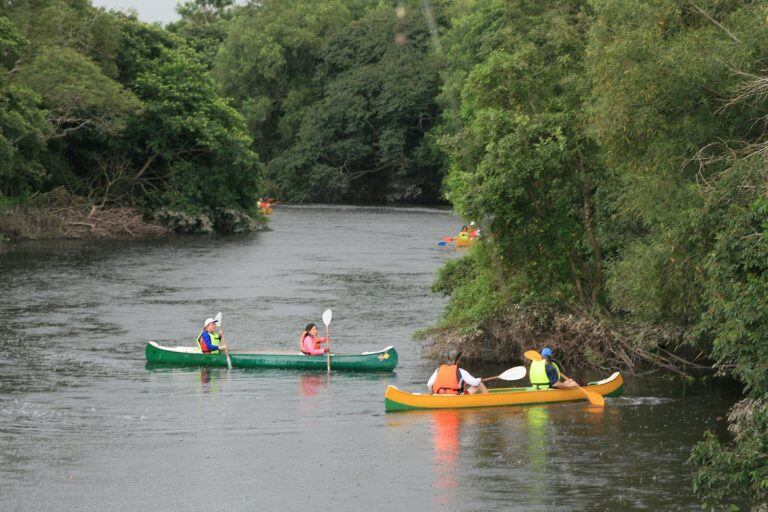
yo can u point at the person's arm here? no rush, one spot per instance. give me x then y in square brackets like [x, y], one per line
[468, 378]
[432, 380]
[552, 374]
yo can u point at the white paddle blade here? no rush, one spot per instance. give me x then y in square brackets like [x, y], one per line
[327, 315]
[218, 318]
[516, 373]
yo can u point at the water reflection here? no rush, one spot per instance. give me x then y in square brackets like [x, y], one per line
[446, 431]
[310, 384]
[208, 379]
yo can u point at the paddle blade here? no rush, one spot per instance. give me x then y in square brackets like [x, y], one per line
[327, 315]
[594, 398]
[448, 239]
[516, 373]
[442, 244]
[218, 318]
[533, 355]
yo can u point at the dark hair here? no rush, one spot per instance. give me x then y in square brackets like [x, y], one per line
[304, 333]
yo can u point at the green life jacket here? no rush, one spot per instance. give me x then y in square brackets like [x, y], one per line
[464, 235]
[538, 374]
[215, 340]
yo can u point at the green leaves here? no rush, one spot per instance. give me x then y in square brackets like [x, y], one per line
[76, 94]
[122, 112]
[614, 155]
[522, 164]
[204, 152]
[338, 108]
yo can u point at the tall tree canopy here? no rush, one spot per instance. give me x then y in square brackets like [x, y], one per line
[117, 110]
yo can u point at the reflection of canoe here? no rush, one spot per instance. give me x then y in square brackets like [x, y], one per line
[396, 400]
[381, 361]
[461, 242]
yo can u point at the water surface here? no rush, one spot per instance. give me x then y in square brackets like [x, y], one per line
[84, 425]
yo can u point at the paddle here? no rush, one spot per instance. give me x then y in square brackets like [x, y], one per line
[593, 398]
[224, 347]
[446, 240]
[516, 373]
[327, 315]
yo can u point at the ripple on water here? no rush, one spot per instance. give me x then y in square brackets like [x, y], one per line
[641, 400]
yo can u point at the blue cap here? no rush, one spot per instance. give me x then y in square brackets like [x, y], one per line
[547, 352]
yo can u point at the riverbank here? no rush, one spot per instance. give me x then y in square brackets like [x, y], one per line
[61, 215]
[579, 340]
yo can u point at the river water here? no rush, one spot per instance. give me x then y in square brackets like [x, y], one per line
[84, 425]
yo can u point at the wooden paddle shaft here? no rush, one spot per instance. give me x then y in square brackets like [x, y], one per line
[328, 354]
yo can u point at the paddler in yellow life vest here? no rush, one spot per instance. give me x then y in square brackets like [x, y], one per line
[473, 231]
[545, 374]
[209, 341]
[451, 379]
[463, 234]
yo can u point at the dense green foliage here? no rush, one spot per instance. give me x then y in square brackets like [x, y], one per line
[339, 99]
[614, 153]
[118, 111]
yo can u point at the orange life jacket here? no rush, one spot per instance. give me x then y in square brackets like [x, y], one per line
[317, 341]
[447, 380]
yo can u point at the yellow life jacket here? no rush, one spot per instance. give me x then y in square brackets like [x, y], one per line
[538, 373]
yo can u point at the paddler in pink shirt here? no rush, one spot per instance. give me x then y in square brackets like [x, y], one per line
[310, 344]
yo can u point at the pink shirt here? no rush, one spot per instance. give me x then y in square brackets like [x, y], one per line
[309, 347]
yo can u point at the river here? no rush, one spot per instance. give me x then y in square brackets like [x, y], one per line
[84, 425]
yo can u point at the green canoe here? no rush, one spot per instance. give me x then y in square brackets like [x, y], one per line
[381, 361]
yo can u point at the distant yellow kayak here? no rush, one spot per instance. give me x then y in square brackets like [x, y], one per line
[397, 400]
[465, 242]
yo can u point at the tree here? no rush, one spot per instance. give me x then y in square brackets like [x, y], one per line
[191, 142]
[203, 26]
[267, 65]
[76, 94]
[366, 138]
[521, 163]
[23, 128]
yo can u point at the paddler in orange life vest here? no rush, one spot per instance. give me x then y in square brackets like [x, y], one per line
[208, 340]
[309, 343]
[451, 379]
